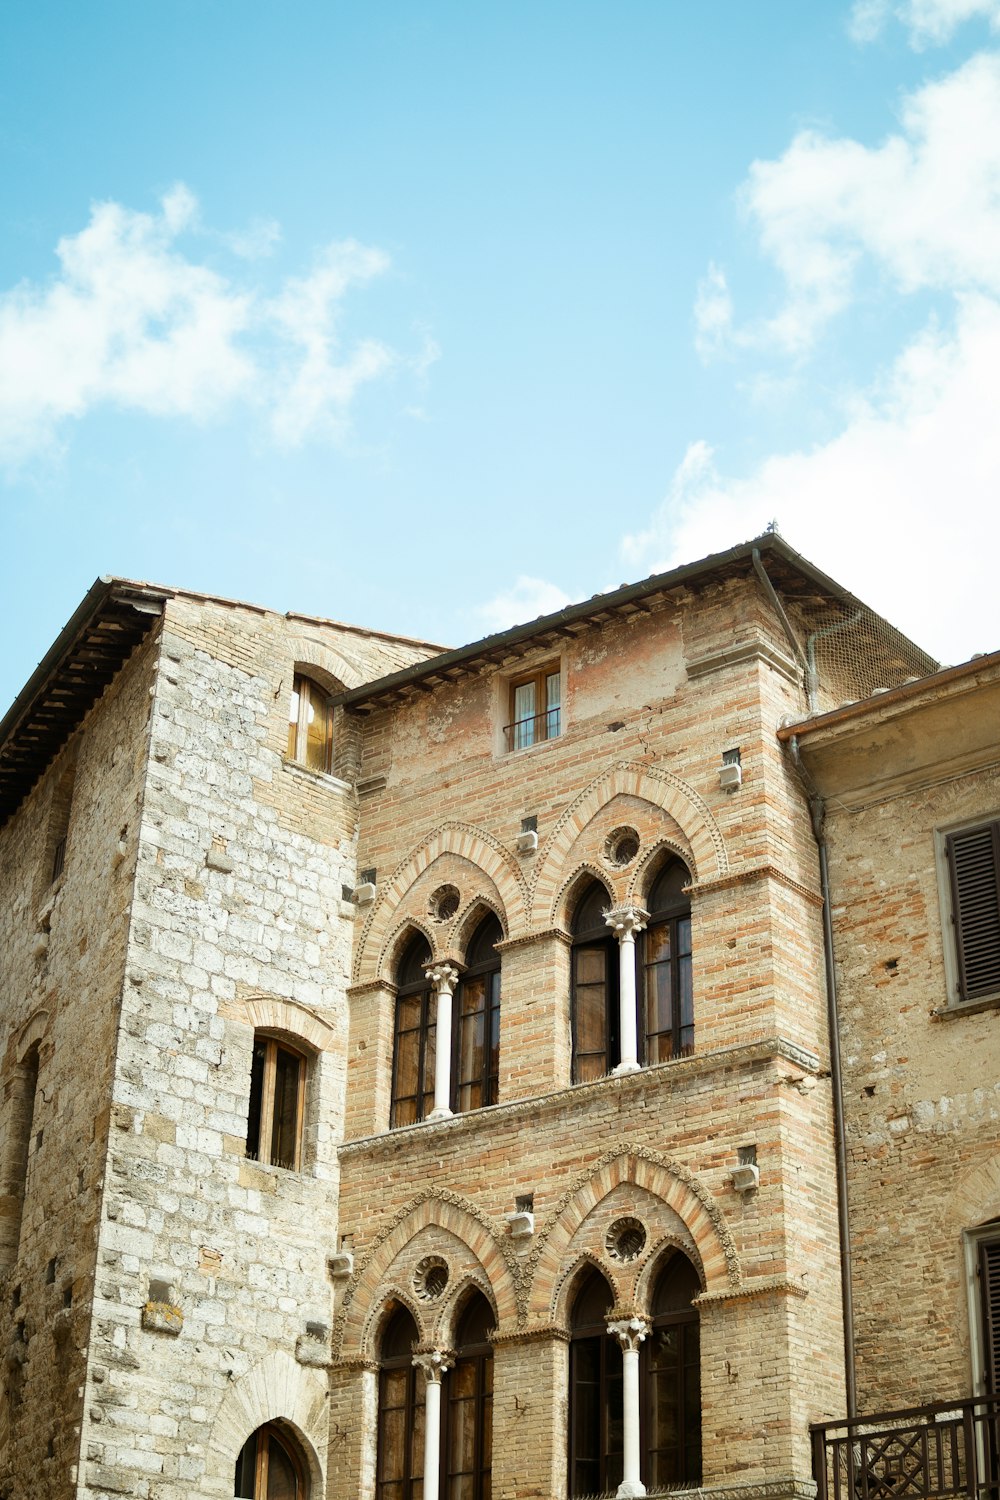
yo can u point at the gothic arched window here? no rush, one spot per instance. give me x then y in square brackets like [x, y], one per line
[468, 1434]
[270, 1467]
[667, 997]
[477, 1020]
[415, 1036]
[673, 1379]
[596, 1043]
[400, 1472]
[595, 1392]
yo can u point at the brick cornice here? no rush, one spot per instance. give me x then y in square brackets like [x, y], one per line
[756, 1286]
[523, 939]
[756, 872]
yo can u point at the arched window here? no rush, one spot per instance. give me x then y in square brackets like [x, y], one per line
[673, 1379]
[270, 1467]
[477, 1020]
[310, 725]
[400, 1471]
[415, 1035]
[596, 1044]
[277, 1103]
[468, 1435]
[595, 1392]
[668, 1005]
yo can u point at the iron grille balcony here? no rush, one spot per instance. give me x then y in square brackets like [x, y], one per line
[922, 1453]
[531, 731]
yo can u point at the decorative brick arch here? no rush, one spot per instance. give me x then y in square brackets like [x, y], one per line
[307, 652]
[976, 1198]
[31, 1034]
[354, 1328]
[667, 1180]
[653, 784]
[268, 1013]
[569, 1279]
[480, 849]
[277, 1389]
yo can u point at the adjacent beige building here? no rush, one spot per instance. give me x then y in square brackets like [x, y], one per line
[418, 1078]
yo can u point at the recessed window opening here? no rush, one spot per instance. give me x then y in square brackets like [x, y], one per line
[400, 1446]
[534, 707]
[596, 1409]
[671, 1355]
[59, 816]
[476, 1070]
[23, 1091]
[277, 1098]
[415, 1039]
[467, 1439]
[594, 1000]
[271, 1467]
[665, 947]
[310, 725]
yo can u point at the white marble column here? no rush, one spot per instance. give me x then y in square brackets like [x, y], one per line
[434, 1363]
[444, 978]
[625, 922]
[630, 1333]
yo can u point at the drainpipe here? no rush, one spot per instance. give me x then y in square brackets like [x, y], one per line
[817, 814]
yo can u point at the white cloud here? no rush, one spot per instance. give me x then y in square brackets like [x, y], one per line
[132, 320]
[901, 507]
[526, 600]
[713, 312]
[923, 207]
[928, 21]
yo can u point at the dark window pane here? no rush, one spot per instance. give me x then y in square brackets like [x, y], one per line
[256, 1093]
[246, 1469]
[281, 1480]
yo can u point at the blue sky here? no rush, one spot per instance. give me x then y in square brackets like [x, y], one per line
[433, 316]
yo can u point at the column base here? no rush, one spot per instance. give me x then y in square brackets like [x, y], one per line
[630, 1487]
[440, 1114]
[623, 1068]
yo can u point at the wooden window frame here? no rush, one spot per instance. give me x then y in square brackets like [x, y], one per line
[265, 1108]
[413, 1388]
[689, 1323]
[299, 751]
[597, 937]
[609, 1352]
[271, 1432]
[479, 1355]
[546, 721]
[670, 916]
[428, 1000]
[974, 901]
[489, 1079]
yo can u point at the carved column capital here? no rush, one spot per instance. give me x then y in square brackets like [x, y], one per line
[443, 976]
[629, 1332]
[434, 1363]
[626, 921]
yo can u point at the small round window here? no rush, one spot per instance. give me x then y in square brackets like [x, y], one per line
[626, 1240]
[444, 902]
[621, 847]
[430, 1278]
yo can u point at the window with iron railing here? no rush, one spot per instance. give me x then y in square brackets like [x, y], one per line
[535, 708]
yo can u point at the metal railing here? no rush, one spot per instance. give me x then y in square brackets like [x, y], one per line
[922, 1453]
[531, 731]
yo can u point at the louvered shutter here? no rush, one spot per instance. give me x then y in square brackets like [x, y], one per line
[989, 1287]
[974, 857]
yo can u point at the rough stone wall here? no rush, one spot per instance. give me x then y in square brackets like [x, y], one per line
[649, 707]
[211, 1266]
[922, 1093]
[63, 943]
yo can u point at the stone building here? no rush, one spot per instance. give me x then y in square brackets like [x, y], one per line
[418, 1075]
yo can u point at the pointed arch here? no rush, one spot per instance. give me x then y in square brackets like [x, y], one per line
[653, 784]
[326, 661]
[353, 1329]
[976, 1198]
[569, 1281]
[664, 1179]
[276, 1389]
[478, 848]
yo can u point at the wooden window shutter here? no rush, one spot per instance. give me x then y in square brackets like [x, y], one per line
[989, 1288]
[974, 858]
